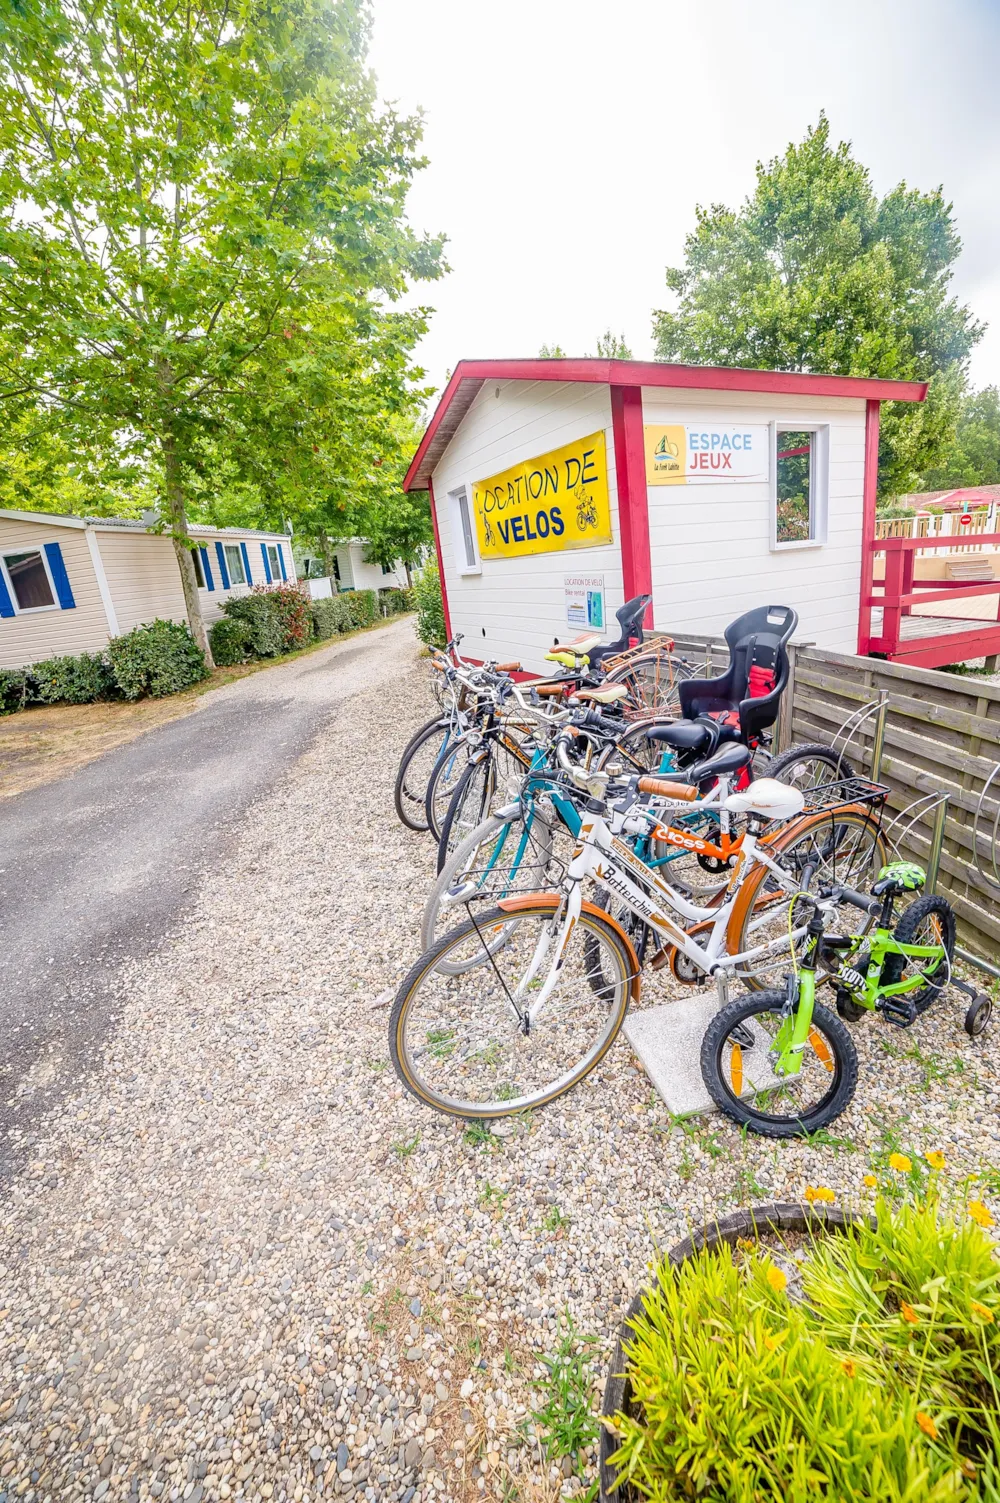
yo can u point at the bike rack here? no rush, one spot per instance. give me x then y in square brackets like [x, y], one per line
[854, 726]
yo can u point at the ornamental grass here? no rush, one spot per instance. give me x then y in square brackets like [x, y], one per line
[880, 1382]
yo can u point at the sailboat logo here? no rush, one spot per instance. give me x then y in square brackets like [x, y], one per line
[666, 456]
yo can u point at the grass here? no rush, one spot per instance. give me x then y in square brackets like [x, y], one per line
[404, 1147]
[933, 1067]
[555, 1220]
[565, 1421]
[492, 1199]
[478, 1135]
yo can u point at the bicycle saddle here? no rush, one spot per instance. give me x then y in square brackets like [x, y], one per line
[608, 696]
[766, 797]
[722, 765]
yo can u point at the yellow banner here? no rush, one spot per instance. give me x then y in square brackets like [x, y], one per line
[558, 500]
[666, 455]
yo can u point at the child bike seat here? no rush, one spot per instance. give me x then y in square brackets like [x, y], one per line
[767, 797]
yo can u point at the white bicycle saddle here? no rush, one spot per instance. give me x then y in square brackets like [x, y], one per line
[767, 797]
[606, 696]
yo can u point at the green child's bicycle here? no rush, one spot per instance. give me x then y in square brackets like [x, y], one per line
[781, 1062]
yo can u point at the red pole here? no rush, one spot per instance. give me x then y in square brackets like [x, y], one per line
[868, 527]
[633, 500]
[894, 570]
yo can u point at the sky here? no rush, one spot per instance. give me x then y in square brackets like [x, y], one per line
[569, 142]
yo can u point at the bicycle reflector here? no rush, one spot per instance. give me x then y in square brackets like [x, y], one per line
[907, 874]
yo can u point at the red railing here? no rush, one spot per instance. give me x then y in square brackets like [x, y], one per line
[900, 592]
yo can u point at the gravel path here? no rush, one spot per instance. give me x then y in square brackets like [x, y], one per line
[243, 1264]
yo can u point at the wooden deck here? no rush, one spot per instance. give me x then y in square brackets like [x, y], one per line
[934, 641]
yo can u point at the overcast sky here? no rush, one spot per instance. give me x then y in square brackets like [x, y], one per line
[569, 142]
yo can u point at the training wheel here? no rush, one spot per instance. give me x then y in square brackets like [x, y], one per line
[978, 1016]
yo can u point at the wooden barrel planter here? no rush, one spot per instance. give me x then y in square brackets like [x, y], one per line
[779, 1217]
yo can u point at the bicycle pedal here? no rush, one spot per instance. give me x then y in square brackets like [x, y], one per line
[900, 1014]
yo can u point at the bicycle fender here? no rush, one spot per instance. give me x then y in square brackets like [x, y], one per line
[552, 900]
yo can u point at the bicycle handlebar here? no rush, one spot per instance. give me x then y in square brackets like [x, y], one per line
[861, 900]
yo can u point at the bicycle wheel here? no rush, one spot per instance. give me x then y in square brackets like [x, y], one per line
[842, 845]
[739, 1049]
[469, 806]
[810, 766]
[499, 859]
[652, 680]
[928, 921]
[457, 1041]
[444, 779]
[415, 766]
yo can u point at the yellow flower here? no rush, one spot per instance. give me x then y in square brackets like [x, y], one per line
[981, 1214]
[776, 1279]
[870, 1181]
[935, 1158]
[909, 1314]
[849, 1367]
[927, 1425]
[900, 1163]
[819, 1192]
[983, 1311]
[774, 1339]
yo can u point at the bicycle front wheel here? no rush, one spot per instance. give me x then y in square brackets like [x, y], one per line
[457, 1034]
[740, 1047]
[415, 767]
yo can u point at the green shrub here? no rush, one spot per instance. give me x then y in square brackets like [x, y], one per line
[231, 641]
[396, 602]
[278, 617]
[430, 606]
[345, 612]
[879, 1383]
[73, 680]
[157, 659]
[14, 690]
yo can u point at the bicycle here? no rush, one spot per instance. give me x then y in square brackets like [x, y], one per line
[781, 1063]
[517, 1004]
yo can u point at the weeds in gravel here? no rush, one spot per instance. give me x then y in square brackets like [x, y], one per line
[404, 1147]
[566, 1422]
[478, 1135]
[555, 1220]
[492, 1199]
[823, 1139]
[933, 1067]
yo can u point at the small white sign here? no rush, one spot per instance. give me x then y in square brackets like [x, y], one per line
[585, 601]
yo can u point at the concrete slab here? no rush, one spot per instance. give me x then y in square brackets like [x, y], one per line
[667, 1040]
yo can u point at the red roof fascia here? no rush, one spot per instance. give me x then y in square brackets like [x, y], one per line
[469, 376]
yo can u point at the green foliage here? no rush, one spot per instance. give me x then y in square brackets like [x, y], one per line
[396, 602]
[278, 618]
[345, 612]
[13, 690]
[73, 680]
[816, 273]
[973, 455]
[552, 352]
[157, 659]
[613, 347]
[231, 641]
[204, 289]
[566, 1422]
[430, 606]
[880, 1384]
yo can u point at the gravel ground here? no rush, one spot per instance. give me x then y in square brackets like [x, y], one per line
[244, 1264]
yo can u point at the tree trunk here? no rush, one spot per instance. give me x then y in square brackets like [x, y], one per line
[326, 554]
[409, 576]
[177, 515]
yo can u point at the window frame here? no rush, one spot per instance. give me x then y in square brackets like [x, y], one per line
[273, 561]
[29, 610]
[459, 500]
[819, 484]
[235, 548]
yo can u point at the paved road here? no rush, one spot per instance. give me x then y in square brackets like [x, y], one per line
[97, 867]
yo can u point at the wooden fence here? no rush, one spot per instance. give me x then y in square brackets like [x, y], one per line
[941, 735]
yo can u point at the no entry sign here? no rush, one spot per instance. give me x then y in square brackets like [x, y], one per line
[965, 519]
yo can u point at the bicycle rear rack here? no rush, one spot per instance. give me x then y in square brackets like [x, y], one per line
[828, 796]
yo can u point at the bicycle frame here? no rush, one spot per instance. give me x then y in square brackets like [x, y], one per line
[880, 944]
[601, 855]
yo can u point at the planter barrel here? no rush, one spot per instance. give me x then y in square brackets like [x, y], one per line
[776, 1216]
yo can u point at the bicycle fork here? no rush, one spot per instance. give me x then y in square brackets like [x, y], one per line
[796, 1030]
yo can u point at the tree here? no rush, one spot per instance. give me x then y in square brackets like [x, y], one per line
[973, 456]
[613, 347]
[552, 352]
[816, 273]
[201, 221]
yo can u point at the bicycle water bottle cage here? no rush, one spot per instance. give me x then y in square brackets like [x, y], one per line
[899, 877]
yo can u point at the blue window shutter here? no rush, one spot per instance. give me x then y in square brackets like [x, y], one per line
[267, 565]
[246, 563]
[223, 571]
[60, 578]
[206, 569]
[6, 604]
[281, 561]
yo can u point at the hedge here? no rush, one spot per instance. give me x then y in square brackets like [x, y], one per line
[396, 601]
[157, 659]
[231, 642]
[430, 606]
[278, 617]
[345, 612]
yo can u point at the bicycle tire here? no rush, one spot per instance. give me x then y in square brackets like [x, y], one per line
[449, 753]
[626, 985]
[753, 898]
[476, 784]
[737, 1109]
[893, 966]
[809, 751]
[406, 801]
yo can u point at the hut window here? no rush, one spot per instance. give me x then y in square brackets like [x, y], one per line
[799, 486]
[465, 538]
[234, 563]
[29, 579]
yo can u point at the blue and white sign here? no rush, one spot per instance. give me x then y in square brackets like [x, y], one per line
[585, 600]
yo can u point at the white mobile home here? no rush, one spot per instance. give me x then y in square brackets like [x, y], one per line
[70, 584]
[352, 570]
[562, 488]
